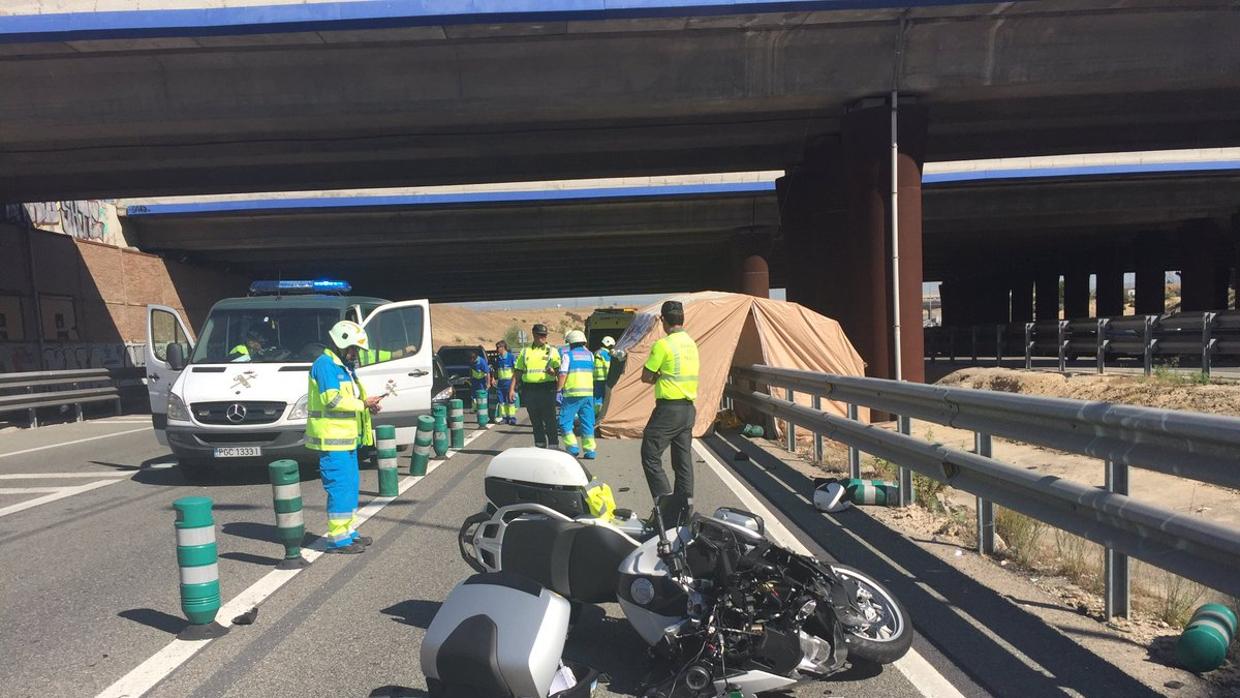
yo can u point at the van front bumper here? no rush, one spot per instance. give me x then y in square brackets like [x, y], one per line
[276, 442]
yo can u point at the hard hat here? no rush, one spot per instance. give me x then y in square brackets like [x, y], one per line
[348, 334]
[575, 337]
[609, 342]
[539, 329]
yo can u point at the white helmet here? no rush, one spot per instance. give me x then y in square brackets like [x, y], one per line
[346, 334]
[609, 342]
[575, 337]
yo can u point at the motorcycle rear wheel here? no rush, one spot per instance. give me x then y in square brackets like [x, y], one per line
[889, 638]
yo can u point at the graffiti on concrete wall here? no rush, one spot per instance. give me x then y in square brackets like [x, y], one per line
[85, 220]
[24, 356]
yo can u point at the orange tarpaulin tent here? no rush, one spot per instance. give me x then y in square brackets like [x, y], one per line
[730, 329]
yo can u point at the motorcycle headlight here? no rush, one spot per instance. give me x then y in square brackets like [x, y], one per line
[177, 411]
[642, 591]
[299, 409]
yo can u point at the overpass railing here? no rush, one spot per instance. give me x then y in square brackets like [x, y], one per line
[1201, 335]
[1190, 445]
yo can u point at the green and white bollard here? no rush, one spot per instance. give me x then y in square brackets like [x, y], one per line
[286, 493]
[439, 437]
[879, 492]
[456, 423]
[422, 445]
[385, 445]
[480, 406]
[1203, 645]
[200, 572]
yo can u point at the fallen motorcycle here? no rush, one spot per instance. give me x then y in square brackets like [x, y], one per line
[725, 611]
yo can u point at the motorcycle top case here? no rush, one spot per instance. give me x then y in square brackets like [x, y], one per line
[553, 479]
[500, 635]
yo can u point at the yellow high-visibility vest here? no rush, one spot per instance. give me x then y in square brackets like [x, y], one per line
[675, 359]
[533, 363]
[337, 419]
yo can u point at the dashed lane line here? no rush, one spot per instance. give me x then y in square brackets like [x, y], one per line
[160, 665]
[924, 678]
[60, 476]
[75, 441]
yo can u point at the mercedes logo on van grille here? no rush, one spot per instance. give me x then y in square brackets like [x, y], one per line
[235, 413]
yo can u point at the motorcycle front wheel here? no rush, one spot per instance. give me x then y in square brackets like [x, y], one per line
[889, 634]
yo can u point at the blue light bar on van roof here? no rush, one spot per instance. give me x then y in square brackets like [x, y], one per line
[262, 288]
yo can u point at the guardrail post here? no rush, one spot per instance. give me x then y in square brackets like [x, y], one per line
[1115, 564]
[973, 341]
[1147, 342]
[999, 346]
[817, 434]
[1207, 342]
[1063, 345]
[789, 427]
[1103, 342]
[906, 475]
[1029, 345]
[985, 508]
[854, 455]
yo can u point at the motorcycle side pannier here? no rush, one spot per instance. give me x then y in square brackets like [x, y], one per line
[500, 635]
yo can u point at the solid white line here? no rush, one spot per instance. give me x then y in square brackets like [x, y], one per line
[60, 494]
[28, 490]
[158, 666]
[924, 678]
[61, 476]
[75, 441]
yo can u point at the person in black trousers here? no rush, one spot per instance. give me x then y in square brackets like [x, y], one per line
[536, 371]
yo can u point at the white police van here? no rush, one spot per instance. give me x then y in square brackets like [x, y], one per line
[239, 390]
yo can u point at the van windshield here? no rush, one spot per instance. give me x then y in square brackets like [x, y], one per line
[264, 335]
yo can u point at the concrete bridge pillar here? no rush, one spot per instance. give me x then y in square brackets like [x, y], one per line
[1076, 294]
[1206, 272]
[835, 213]
[1110, 290]
[866, 138]
[754, 276]
[1151, 282]
[1046, 284]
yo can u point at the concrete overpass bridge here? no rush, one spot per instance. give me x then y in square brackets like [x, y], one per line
[329, 95]
[988, 234]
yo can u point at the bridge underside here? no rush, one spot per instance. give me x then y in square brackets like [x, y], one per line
[334, 106]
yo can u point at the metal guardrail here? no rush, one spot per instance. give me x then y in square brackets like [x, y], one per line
[1203, 335]
[32, 390]
[1194, 446]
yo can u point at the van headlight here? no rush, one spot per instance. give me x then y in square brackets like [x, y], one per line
[176, 409]
[299, 409]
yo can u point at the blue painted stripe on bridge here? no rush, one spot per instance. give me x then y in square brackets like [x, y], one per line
[379, 14]
[670, 190]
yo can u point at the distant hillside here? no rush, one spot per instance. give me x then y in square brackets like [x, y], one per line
[454, 324]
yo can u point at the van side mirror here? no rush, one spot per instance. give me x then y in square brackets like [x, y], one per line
[176, 356]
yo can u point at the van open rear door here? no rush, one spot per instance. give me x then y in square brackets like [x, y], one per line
[164, 327]
[399, 363]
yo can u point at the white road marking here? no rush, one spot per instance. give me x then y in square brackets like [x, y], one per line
[28, 490]
[61, 476]
[61, 493]
[75, 441]
[924, 678]
[160, 665]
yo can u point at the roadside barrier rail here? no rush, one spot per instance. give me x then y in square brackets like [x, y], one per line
[1201, 335]
[1195, 446]
[31, 390]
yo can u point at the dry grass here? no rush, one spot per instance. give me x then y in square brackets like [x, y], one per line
[1022, 535]
[1173, 597]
